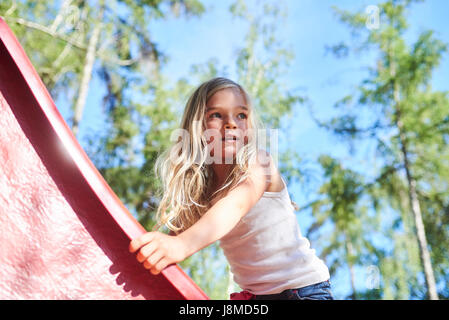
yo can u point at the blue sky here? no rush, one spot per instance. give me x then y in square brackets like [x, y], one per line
[310, 27]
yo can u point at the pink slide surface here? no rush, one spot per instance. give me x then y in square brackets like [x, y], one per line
[64, 234]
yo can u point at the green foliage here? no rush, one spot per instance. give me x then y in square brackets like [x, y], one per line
[408, 119]
[344, 226]
[262, 61]
[209, 269]
[56, 36]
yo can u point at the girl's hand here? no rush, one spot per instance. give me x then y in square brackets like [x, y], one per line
[158, 250]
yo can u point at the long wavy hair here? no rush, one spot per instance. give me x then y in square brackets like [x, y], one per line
[183, 168]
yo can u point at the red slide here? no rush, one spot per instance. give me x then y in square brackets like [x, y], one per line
[64, 234]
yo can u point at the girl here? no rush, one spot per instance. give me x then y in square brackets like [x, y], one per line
[218, 185]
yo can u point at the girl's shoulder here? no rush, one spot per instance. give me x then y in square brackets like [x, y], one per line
[274, 179]
[276, 184]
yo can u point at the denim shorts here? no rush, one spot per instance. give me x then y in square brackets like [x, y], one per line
[317, 291]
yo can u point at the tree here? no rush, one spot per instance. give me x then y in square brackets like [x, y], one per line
[66, 40]
[344, 226]
[407, 116]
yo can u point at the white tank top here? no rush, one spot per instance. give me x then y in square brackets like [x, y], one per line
[266, 251]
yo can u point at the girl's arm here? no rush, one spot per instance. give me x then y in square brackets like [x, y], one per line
[157, 250]
[224, 215]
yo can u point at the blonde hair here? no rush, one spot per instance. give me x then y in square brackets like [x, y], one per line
[186, 180]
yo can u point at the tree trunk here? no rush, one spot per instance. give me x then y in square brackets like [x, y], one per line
[349, 254]
[412, 194]
[87, 73]
[416, 210]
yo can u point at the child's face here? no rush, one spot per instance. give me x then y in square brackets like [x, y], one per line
[227, 115]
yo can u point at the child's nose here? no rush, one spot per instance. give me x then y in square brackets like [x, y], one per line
[230, 124]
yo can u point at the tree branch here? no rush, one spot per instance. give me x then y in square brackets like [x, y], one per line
[74, 42]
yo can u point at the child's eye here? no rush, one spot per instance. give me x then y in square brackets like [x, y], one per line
[241, 115]
[214, 114]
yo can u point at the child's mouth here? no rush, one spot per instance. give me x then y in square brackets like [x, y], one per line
[229, 139]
